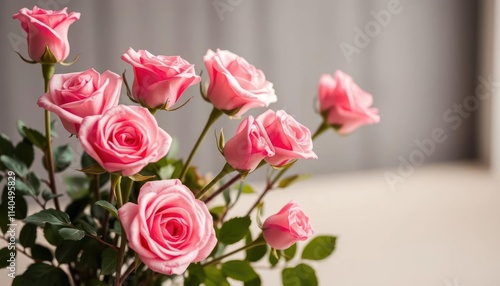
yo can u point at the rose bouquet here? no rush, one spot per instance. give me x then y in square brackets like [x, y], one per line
[137, 215]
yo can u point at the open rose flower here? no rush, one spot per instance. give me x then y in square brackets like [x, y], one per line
[74, 96]
[159, 81]
[245, 150]
[287, 227]
[235, 85]
[168, 228]
[47, 28]
[344, 104]
[290, 139]
[124, 139]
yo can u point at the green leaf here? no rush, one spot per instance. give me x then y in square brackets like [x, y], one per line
[44, 274]
[214, 276]
[41, 253]
[47, 195]
[5, 255]
[63, 155]
[53, 126]
[87, 227]
[239, 270]
[254, 282]
[234, 230]
[20, 207]
[196, 274]
[71, 233]
[292, 179]
[140, 178]
[6, 146]
[25, 153]
[107, 206]
[14, 165]
[319, 248]
[93, 169]
[274, 257]
[68, 251]
[35, 137]
[27, 236]
[300, 275]
[51, 216]
[34, 181]
[51, 234]
[255, 253]
[217, 212]
[108, 262]
[289, 253]
[247, 189]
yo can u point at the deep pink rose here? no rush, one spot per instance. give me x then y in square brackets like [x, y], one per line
[168, 228]
[124, 139]
[344, 104]
[248, 147]
[47, 28]
[74, 96]
[236, 85]
[287, 227]
[290, 139]
[159, 81]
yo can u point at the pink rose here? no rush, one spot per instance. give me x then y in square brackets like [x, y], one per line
[235, 85]
[290, 139]
[168, 228]
[159, 80]
[74, 96]
[47, 28]
[248, 147]
[124, 138]
[287, 227]
[344, 104]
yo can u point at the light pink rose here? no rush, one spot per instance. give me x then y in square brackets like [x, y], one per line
[168, 228]
[159, 81]
[290, 139]
[287, 227]
[124, 139]
[235, 85]
[344, 104]
[74, 96]
[47, 28]
[248, 147]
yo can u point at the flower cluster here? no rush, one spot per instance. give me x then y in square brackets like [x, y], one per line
[159, 206]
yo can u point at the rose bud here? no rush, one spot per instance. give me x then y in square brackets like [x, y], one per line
[344, 105]
[46, 28]
[159, 81]
[235, 85]
[287, 227]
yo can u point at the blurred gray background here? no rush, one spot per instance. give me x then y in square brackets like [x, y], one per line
[418, 65]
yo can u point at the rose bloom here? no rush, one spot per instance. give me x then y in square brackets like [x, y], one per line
[287, 227]
[248, 147]
[124, 139]
[235, 85]
[47, 28]
[159, 81]
[168, 228]
[290, 139]
[74, 96]
[344, 104]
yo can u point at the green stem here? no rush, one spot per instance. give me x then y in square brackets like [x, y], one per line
[257, 242]
[322, 128]
[225, 170]
[214, 115]
[128, 189]
[115, 183]
[48, 71]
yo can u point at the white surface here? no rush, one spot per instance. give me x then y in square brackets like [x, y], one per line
[440, 228]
